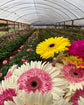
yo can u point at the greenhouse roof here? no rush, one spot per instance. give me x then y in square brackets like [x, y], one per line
[46, 11]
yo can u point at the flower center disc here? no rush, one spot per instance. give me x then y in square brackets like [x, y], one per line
[75, 73]
[52, 45]
[34, 84]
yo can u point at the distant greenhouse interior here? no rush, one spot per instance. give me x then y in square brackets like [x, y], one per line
[52, 12]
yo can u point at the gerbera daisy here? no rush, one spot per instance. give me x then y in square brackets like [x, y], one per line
[51, 46]
[41, 77]
[8, 89]
[78, 97]
[74, 60]
[31, 99]
[74, 76]
[77, 48]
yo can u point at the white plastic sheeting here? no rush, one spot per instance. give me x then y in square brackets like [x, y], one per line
[48, 11]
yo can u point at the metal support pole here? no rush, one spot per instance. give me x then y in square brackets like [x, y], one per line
[64, 25]
[21, 25]
[14, 25]
[18, 25]
[72, 24]
[27, 26]
[7, 26]
[59, 25]
[55, 26]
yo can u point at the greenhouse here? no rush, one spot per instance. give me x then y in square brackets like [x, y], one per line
[41, 52]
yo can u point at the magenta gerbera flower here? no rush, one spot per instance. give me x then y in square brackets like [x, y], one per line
[77, 48]
[7, 95]
[76, 97]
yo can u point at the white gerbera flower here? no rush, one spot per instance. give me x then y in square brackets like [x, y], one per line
[31, 99]
[41, 77]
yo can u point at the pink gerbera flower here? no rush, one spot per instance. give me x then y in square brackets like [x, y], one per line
[4, 62]
[22, 60]
[11, 57]
[28, 50]
[35, 79]
[18, 50]
[76, 96]
[25, 61]
[77, 48]
[1, 74]
[73, 74]
[29, 45]
[7, 95]
[24, 56]
[2, 44]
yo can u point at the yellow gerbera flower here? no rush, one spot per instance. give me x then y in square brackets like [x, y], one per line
[51, 46]
[74, 60]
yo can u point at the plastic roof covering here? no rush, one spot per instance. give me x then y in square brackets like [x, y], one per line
[48, 11]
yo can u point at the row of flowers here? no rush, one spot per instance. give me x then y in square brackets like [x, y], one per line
[73, 35]
[26, 53]
[75, 31]
[11, 45]
[8, 37]
[5, 35]
[59, 33]
[12, 35]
